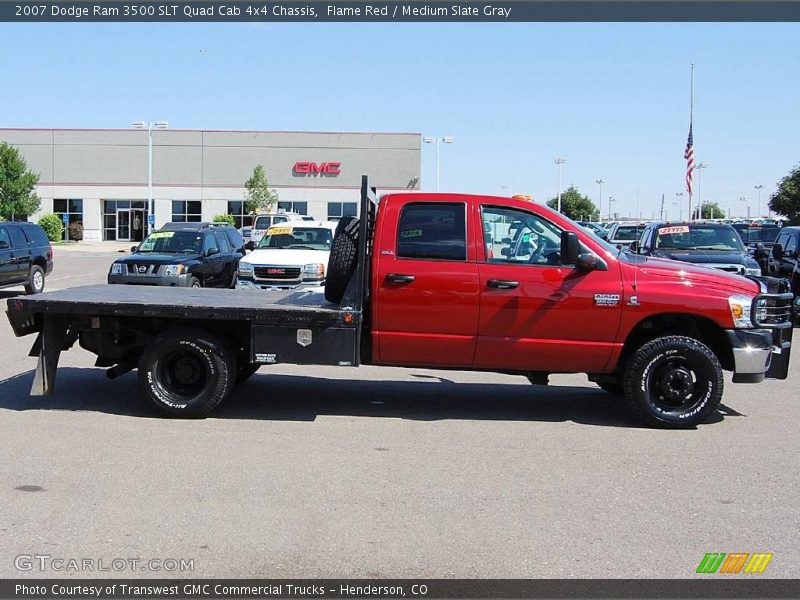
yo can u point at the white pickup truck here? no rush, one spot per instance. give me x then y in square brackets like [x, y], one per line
[290, 254]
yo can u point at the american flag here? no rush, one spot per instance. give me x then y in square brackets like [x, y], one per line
[689, 156]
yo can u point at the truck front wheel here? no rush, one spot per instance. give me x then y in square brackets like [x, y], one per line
[673, 382]
[187, 373]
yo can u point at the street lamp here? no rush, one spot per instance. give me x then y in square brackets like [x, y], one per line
[150, 125]
[759, 188]
[559, 162]
[437, 140]
[699, 167]
[600, 182]
[679, 195]
[610, 202]
[743, 199]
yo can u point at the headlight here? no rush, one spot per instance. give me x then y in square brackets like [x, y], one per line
[245, 267]
[755, 271]
[741, 307]
[116, 269]
[171, 270]
[315, 269]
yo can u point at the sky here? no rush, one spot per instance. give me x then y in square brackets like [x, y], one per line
[611, 99]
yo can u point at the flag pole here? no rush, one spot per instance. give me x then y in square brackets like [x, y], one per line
[691, 126]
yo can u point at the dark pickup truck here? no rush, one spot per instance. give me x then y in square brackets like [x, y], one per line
[441, 281]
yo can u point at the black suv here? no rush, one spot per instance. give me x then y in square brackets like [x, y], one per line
[183, 255]
[26, 256]
[716, 245]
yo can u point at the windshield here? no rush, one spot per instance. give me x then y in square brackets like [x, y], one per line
[628, 233]
[698, 237]
[304, 238]
[172, 242]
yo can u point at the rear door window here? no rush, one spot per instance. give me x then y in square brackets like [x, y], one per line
[432, 231]
[222, 241]
[18, 239]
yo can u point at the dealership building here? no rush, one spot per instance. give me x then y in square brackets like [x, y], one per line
[99, 177]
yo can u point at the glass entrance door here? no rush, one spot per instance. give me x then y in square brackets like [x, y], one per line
[124, 225]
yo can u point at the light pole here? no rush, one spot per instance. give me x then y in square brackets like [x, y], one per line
[150, 125]
[559, 162]
[438, 141]
[610, 202]
[679, 195]
[600, 183]
[743, 199]
[759, 187]
[699, 167]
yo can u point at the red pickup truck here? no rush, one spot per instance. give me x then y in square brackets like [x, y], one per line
[451, 281]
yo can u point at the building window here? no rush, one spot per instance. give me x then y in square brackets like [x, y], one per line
[337, 210]
[236, 208]
[184, 211]
[73, 208]
[301, 208]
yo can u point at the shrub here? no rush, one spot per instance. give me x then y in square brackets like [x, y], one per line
[53, 227]
[225, 219]
[75, 231]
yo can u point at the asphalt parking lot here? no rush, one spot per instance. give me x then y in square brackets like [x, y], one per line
[386, 472]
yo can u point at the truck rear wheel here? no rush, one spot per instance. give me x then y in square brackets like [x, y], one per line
[342, 260]
[187, 373]
[673, 382]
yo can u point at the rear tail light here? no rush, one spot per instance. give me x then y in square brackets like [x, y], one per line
[50, 253]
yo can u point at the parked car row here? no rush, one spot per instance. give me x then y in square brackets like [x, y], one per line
[293, 252]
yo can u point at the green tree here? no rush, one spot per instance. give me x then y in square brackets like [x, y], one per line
[258, 196]
[575, 206]
[224, 219]
[711, 210]
[17, 198]
[786, 199]
[52, 226]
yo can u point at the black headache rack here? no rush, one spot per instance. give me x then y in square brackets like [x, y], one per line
[345, 343]
[117, 322]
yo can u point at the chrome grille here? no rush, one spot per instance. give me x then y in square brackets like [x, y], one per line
[773, 311]
[140, 269]
[276, 272]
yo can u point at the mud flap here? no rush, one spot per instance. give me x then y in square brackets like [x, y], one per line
[51, 341]
[781, 350]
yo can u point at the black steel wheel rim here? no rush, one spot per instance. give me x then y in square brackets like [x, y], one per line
[183, 373]
[675, 385]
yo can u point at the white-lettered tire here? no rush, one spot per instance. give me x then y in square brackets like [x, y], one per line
[35, 284]
[673, 382]
[187, 373]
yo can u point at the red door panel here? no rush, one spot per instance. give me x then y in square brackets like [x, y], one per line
[425, 310]
[551, 322]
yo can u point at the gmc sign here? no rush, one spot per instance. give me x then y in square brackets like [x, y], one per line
[312, 168]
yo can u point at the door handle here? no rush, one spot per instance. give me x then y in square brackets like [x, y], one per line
[502, 284]
[398, 278]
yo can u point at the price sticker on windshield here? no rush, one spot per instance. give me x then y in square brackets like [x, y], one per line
[673, 229]
[161, 234]
[279, 231]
